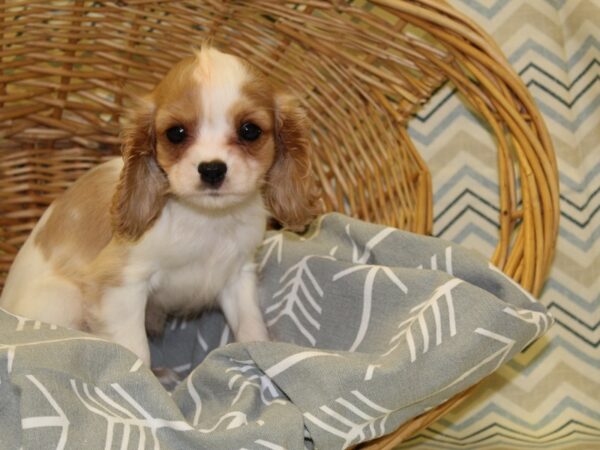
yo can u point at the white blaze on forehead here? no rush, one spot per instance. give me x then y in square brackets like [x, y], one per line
[221, 77]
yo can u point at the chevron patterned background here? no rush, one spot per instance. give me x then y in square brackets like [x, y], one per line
[549, 396]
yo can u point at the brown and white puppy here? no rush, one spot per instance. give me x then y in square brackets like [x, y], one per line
[174, 224]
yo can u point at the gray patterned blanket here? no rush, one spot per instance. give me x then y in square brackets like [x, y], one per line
[371, 326]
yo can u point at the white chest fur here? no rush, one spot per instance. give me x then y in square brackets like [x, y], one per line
[190, 255]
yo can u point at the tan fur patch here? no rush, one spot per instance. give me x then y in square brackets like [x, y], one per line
[79, 225]
[256, 106]
[290, 191]
[142, 187]
[177, 104]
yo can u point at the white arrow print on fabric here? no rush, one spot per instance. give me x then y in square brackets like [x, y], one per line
[22, 322]
[238, 419]
[366, 254]
[355, 419]
[447, 262]
[292, 360]
[200, 339]
[296, 293]
[117, 414]
[445, 291]
[196, 399]
[60, 420]
[136, 365]
[368, 295]
[10, 355]
[538, 319]
[225, 335]
[274, 242]
[498, 356]
[106, 402]
[12, 348]
[370, 370]
[253, 377]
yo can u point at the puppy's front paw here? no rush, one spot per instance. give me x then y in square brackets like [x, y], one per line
[167, 377]
[155, 321]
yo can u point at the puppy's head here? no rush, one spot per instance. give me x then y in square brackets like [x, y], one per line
[213, 133]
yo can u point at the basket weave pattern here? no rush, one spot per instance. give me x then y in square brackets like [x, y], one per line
[361, 69]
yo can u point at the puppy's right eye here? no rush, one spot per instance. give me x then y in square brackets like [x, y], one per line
[176, 134]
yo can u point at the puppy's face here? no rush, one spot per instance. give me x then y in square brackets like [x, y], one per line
[213, 132]
[214, 125]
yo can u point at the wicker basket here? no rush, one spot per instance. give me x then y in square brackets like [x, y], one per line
[360, 68]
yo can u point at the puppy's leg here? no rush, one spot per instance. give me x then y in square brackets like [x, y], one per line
[120, 317]
[49, 299]
[156, 317]
[239, 302]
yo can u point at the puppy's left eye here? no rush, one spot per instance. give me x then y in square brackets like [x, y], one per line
[176, 134]
[249, 132]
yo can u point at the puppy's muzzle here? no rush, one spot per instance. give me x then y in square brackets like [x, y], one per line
[212, 173]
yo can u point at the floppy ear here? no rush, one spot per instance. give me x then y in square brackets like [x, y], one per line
[142, 186]
[290, 191]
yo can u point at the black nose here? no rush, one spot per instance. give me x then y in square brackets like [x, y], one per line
[213, 172]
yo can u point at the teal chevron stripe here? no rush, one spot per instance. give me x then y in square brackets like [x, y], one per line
[587, 305]
[519, 434]
[469, 231]
[588, 178]
[557, 4]
[460, 111]
[470, 228]
[585, 204]
[569, 236]
[566, 234]
[549, 354]
[459, 177]
[467, 194]
[490, 11]
[474, 203]
[443, 126]
[574, 80]
[432, 109]
[571, 125]
[444, 441]
[579, 223]
[493, 409]
[461, 173]
[572, 238]
[501, 442]
[578, 442]
[486, 11]
[576, 97]
[515, 434]
[531, 45]
[582, 244]
[577, 335]
[585, 324]
[562, 72]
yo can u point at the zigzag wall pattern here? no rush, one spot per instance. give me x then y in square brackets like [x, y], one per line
[548, 397]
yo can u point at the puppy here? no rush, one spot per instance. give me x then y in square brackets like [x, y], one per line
[172, 226]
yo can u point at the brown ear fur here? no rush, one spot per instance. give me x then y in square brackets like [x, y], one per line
[142, 187]
[290, 191]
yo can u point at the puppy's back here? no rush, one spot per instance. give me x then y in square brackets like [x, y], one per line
[68, 237]
[78, 226]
